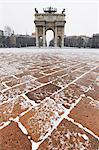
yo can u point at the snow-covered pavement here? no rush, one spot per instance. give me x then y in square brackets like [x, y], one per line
[49, 99]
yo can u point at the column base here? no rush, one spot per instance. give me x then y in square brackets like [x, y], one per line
[37, 44]
[44, 45]
[55, 45]
[62, 45]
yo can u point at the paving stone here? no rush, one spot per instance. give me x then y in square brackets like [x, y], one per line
[13, 82]
[46, 79]
[13, 108]
[41, 93]
[86, 68]
[2, 87]
[41, 119]
[87, 80]
[77, 66]
[43, 88]
[12, 138]
[27, 78]
[68, 136]
[20, 75]
[93, 92]
[56, 68]
[13, 93]
[69, 95]
[37, 74]
[19, 89]
[48, 71]
[6, 78]
[63, 81]
[52, 77]
[86, 112]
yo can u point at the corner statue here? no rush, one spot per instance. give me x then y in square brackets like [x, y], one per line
[63, 10]
[36, 10]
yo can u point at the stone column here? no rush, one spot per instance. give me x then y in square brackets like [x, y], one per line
[37, 41]
[55, 44]
[63, 37]
[44, 37]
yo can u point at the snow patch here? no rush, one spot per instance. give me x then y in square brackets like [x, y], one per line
[22, 128]
[94, 104]
[85, 137]
[34, 145]
[5, 124]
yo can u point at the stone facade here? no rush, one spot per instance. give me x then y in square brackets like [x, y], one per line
[95, 41]
[19, 41]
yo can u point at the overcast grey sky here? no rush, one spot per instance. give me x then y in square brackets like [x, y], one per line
[82, 16]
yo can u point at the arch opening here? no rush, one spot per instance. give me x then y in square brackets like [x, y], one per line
[50, 38]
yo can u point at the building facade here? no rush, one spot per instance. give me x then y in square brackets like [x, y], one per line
[1, 38]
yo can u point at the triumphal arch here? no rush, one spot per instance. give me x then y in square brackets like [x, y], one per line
[50, 20]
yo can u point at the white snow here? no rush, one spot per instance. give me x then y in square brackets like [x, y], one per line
[34, 145]
[5, 124]
[22, 128]
[14, 60]
[95, 104]
[85, 137]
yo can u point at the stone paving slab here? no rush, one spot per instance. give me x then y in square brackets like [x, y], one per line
[48, 71]
[68, 95]
[68, 136]
[12, 82]
[41, 93]
[11, 137]
[41, 119]
[86, 112]
[13, 108]
[2, 87]
[50, 99]
[6, 78]
[87, 80]
[65, 80]
[52, 76]
[93, 92]
[17, 90]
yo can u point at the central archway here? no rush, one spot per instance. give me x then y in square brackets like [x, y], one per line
[50, 37]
